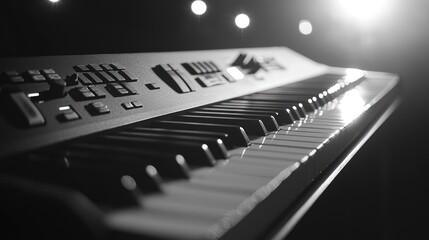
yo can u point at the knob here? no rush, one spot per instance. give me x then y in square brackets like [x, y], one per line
[247, 62]
[57, 88]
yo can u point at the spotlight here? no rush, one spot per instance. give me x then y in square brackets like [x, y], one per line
[242, 21]
[305, 27]
[198, 7]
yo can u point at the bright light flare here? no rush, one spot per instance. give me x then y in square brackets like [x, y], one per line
[54, 1]
[242, 20]
[363, 10]
[198, 7]
[305, 27]
[352, 105]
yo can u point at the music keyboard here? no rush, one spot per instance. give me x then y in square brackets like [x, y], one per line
[186, 145]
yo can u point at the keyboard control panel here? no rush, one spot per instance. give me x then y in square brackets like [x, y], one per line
[56, 98]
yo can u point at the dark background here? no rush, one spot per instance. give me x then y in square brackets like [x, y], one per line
[382, 193]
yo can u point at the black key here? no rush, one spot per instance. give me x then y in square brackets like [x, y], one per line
[268, 120]
[252, 126]
[195, 153]
[236, 134]
[223, 136]
[215, 145]
[281, 99]
[169, 165]
[275, 114]
[284, 114]
[298, 108]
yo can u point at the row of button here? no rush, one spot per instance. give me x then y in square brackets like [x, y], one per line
[201, 67]
[87, 93]
[90, 78]
[98, 67]
[29, 76]
[121, 89]
[132, 105]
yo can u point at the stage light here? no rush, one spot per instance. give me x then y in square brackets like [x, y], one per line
[199, 7]
[363, 10]
[242, 20]
[305, 27]
[54, 1]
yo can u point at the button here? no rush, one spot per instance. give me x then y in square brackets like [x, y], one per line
[152, 86]
[117, 66]
[57, 88]
[81, 68]
[191, 68]
[130, 88]
[105, 77]
[117, 76]
[214, 66]
[84, 79]
[37, 78]
[197, 68]
[94, 78]
[137, 104]
[208, 67]
[97, 108]
[53, 76]
[202, 67]
[117, 90]
[97, 92]
[67, 114]
[16, 79]
[94, 67]
[48, 71]
[27, 112]
[128, 76]
[127, 105]
[209, 80]
[32, 72]
[11, 73]
[106, 67]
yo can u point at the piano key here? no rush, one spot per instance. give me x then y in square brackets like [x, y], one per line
[275, 114]
[251, 126]
[297, 138]
[298, 109]
[223, 136]
[197, 154]
[284, 115]
[169, 165]
[215, 145]
[236, 134]
[303, 152]
[308, 106]
[269, 121]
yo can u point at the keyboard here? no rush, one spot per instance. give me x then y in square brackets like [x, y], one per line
[216, 144]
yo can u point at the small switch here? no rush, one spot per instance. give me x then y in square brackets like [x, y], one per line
[97, 108]
[152, 86]
[127, 105]
[67, 114]
[137, 104]
[81, 68]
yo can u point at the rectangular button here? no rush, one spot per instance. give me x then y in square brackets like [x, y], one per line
[105, 77]
[94, 67]
[117, 76]
[94, 78]
[128, 76]
[81, 68]
[130, 88]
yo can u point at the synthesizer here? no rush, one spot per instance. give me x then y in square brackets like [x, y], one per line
[215, 144]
